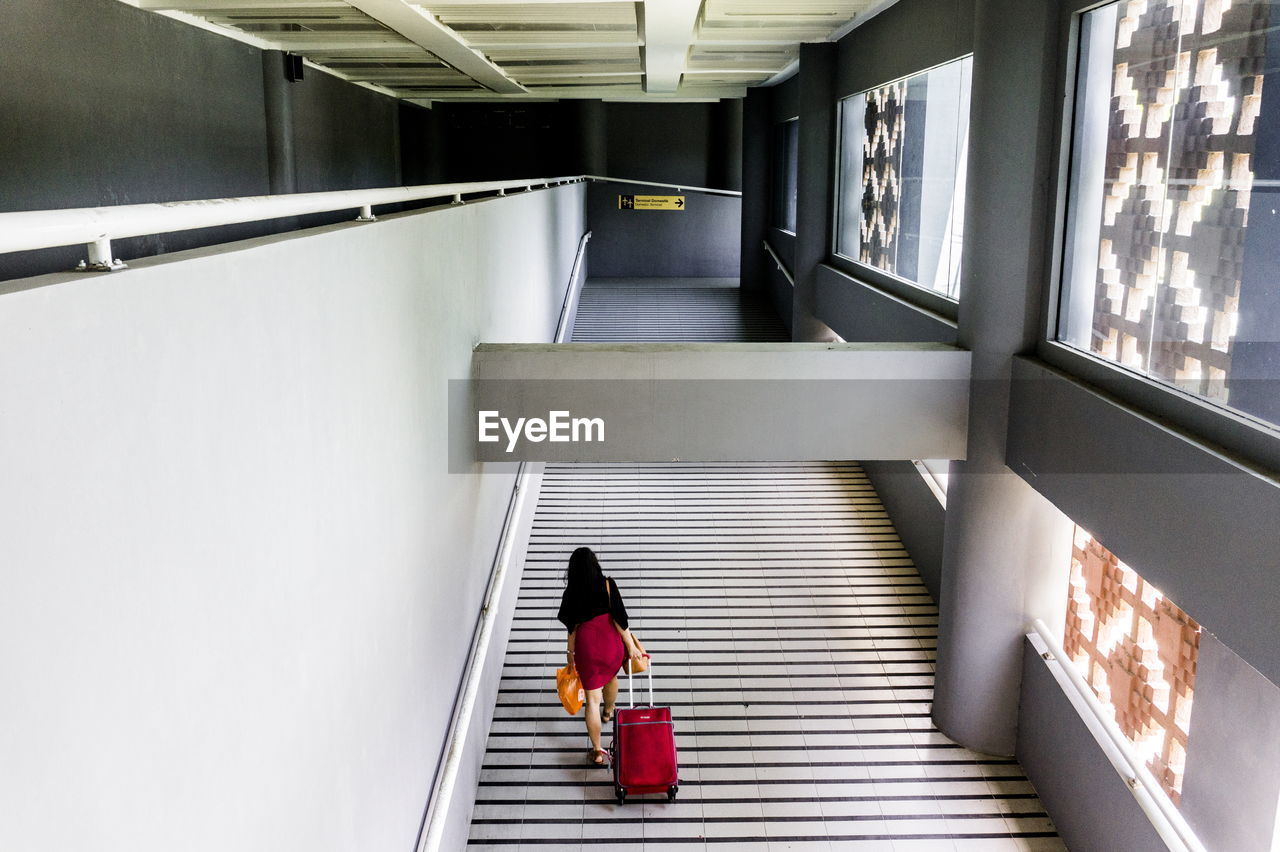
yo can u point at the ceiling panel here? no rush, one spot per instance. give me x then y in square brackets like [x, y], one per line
[573, 49]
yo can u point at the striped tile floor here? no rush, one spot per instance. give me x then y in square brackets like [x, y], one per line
[673, 310]
[795, 643]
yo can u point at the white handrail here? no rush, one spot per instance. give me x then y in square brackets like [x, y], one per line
[705, 190]
[570, 306]
[96, 227]
[1150, 796]
[37, 229]
[782, 267]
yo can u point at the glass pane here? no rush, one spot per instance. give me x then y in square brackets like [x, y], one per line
[902, 166]
[853, 136]
[1172, 266]
[786, 166]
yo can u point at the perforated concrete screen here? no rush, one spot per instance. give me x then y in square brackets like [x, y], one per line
[1138, 651]
[1173, 136]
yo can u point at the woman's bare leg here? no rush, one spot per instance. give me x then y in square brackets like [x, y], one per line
[610, 696]
[593, 716]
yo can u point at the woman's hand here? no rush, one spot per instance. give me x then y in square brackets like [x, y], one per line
[635, 653]
[568, 657]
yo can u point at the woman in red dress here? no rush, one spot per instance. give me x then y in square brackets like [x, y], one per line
[599, 639]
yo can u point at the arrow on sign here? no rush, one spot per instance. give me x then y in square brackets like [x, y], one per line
[680, 203]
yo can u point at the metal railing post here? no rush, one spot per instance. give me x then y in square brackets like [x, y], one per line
[100, 257]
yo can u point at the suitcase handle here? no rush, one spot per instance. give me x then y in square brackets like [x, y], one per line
[631, 698]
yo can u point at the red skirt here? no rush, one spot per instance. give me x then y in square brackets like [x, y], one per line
[598, 651]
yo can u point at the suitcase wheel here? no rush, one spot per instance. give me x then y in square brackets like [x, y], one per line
[621, 794]
[671, 792]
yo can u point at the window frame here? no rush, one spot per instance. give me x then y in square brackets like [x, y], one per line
[1246, 437]
[894, 285]
[773, 173]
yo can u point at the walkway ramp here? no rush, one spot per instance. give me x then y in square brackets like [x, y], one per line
[795, 641]
[790, 632]
[669, 310]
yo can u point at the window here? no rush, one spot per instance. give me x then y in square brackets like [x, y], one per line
[902, 171]
[786, 168]
[1138, 652]
[1172, 250]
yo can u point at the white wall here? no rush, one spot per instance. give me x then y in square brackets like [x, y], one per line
[238, 582]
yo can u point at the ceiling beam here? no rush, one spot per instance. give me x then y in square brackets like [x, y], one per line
[628, 92]
[509, 41]
[449, 4]
[232, 5]
[421, 28]
[669, 27]
[577, 75]
[741, 72]
[793, 68]
[312, 43]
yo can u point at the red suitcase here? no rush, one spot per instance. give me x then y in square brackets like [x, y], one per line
[643, 751]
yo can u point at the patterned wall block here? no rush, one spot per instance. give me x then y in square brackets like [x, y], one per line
[1138, 651]
[881, 175]
[1186, 95]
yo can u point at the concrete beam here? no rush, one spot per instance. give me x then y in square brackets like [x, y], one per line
[219, 5]
[720, 402]
[448, 4]
[423, 29]
[669, 27]
[622, 92]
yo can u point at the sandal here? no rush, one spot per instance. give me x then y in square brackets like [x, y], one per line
[607, 714]
[597, 757]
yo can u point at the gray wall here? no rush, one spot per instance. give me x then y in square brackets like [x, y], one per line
[917, 516]
[1229, 774]
[755, 186]
[1089, 802]
[345, 137]
[764, 109]
[700, 241]
[236, 568]
[182, 118]
[858, 311]
[668, 143]
[910, 36]
[696, 144]
[815, 194]
[784, 101]
[780, 292]
[1198, 526]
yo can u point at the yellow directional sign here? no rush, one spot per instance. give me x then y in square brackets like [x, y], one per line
[650, 202]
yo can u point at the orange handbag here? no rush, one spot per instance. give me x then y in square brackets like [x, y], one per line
[570, 689]
[634, 667]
